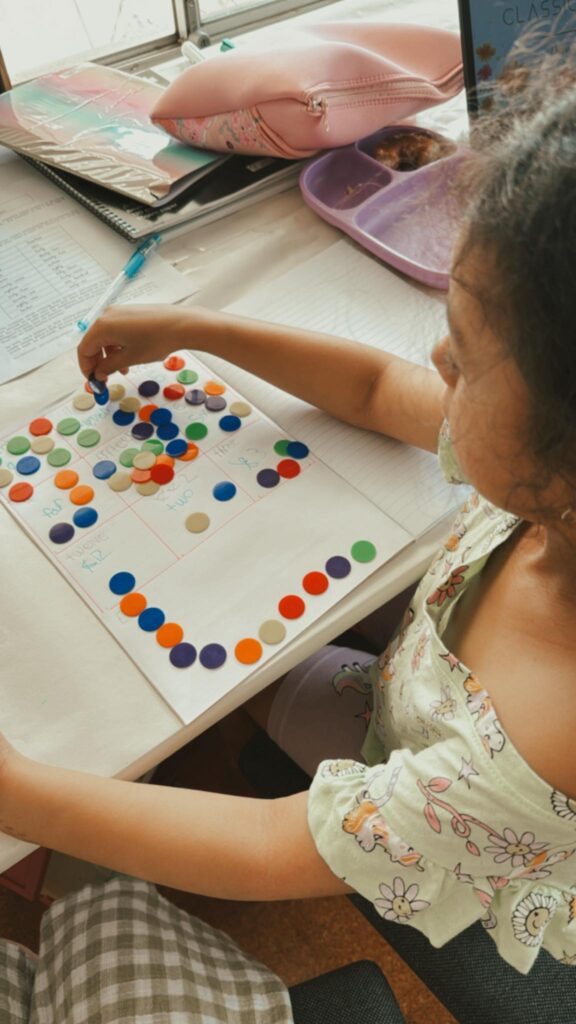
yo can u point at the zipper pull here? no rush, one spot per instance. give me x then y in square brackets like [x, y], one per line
[318, 106]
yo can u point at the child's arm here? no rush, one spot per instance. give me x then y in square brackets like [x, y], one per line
[209, 843]
[354, 382]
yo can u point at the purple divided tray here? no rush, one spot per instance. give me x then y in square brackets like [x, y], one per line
[407, 218]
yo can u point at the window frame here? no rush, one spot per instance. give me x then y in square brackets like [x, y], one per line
[189, 25]
[212, 30]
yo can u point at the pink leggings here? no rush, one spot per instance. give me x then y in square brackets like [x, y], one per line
[321, 710]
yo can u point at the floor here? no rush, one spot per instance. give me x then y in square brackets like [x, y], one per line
[297, 939]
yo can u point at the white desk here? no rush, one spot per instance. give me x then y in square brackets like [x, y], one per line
[97, 711]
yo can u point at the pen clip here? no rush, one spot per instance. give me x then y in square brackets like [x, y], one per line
[137, 258]
[192, 53]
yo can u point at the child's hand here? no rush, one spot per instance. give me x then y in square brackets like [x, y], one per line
[125, 335]
[10, 760]
[7, 753]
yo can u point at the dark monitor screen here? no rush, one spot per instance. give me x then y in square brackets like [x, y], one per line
[491, 28]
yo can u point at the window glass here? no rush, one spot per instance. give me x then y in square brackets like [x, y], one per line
[36, 35]
[212, 9]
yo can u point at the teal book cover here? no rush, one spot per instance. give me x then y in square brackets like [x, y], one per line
[93, 121]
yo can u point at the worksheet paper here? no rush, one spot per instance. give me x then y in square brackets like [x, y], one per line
[265, 516]
[56, 259]
[344, 292]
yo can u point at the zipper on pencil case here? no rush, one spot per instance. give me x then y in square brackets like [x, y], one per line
[318, 103]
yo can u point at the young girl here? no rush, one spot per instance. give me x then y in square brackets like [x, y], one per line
[460, 804]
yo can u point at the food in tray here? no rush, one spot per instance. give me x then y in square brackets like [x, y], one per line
[409, 150]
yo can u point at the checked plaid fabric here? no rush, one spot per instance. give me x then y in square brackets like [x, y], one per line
[120, 953]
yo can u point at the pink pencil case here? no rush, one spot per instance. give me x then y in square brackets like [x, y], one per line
[330, 85]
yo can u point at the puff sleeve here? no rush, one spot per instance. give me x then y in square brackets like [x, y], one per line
[405, 836]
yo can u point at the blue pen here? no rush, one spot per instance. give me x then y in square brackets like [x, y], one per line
[134, 264]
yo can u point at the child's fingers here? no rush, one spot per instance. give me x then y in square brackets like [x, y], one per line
[113, 342]
[112, 358]
[87, 364]
[94, 366]
[124, 335]
[96, 355]
[89, 350]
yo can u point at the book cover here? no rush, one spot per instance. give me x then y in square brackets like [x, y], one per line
[238, 183]
[93, 121]
[499, 37]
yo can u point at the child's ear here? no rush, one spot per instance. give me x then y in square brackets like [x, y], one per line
[442, 360]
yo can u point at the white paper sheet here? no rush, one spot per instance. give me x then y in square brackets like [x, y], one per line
[344, 292]
[56, 259]
[219, 585]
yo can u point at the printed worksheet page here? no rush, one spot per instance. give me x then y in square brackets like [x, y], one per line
[56, 259]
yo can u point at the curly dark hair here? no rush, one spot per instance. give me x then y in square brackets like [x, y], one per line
[520, 188]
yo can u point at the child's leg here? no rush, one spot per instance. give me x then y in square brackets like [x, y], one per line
[320, 709]
[258, 707]
[136, 957]
[374, 631]
[17, 968]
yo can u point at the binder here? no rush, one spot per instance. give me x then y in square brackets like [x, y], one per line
[237, 183]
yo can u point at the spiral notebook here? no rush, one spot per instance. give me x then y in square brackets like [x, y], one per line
[235, 184]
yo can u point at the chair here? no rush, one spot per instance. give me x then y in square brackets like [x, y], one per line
[355, 994]
[467, 975]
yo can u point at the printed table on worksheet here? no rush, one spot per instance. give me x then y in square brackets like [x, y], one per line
[202, 537]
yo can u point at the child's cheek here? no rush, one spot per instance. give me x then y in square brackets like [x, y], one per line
[463, 433]
[446, 403]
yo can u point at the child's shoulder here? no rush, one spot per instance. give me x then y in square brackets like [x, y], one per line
[493, 615]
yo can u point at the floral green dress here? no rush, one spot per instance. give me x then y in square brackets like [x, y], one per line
[447, 824]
